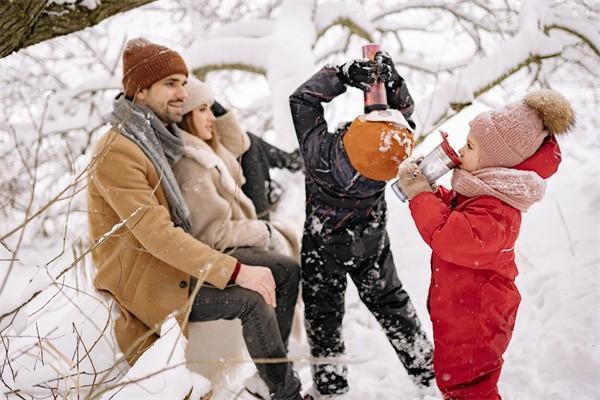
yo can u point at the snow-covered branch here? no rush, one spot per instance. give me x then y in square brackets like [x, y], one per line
[27, 22]
[452, 7]
[531, 45]
[249, 54]
[347, 14]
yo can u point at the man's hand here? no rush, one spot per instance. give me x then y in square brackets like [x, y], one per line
[412, 180]
[258, 279]
[358, 73]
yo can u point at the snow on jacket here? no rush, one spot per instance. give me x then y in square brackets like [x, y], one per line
[146, 262]
[336, 194]
[210, 179]
[473, 299]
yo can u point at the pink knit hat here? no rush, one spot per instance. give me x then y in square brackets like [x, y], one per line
[512, 134]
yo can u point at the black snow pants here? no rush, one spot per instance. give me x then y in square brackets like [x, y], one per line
[368, 260]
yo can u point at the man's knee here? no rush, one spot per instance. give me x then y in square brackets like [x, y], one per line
[255, 306]
[287, 272]
[293, 272]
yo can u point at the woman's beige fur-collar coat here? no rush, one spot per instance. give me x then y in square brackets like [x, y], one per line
[210, 179]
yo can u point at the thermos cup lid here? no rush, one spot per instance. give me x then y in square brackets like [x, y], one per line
[449, 150]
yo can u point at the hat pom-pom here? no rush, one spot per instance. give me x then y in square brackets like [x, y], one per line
[556, 111]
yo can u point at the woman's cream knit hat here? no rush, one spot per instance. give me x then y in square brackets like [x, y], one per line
[198, 93]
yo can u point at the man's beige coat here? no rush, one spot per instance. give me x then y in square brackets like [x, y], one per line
[142, 259]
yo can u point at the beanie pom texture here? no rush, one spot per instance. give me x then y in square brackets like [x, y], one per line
[556, 112]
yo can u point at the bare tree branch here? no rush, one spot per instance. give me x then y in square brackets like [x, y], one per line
[205, 69]
[347, 23]
[581, 36]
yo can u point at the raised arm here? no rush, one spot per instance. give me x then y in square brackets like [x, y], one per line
[231, 135]
[307, 111]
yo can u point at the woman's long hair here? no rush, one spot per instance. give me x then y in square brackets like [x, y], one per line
[187, 124]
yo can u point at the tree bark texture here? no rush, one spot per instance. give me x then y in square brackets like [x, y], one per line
[27, 22]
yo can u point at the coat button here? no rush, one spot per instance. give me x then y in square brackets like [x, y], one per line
[183, 284]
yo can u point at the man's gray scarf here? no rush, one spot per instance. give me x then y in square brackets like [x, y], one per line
[142, 126]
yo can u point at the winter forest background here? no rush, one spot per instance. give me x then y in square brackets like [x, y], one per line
[458, 57]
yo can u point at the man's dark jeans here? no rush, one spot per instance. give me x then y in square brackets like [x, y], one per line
[266, 330]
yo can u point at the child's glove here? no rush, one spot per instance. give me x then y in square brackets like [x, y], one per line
[295, 162]
[412, 180]
[358, 73]
[387, 70]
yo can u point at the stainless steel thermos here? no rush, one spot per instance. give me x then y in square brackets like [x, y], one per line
[437, 163]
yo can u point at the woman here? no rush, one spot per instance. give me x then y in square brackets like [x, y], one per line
[211, 179]
[223, 216]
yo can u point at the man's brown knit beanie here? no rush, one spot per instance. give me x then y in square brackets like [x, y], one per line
[145, 63]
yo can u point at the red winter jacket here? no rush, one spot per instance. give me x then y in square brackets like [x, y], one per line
[473, 299]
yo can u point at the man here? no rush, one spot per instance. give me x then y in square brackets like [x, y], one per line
[139, 223]
[345, 228]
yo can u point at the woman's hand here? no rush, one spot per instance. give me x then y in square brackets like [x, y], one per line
[412, 180]
[258, 279]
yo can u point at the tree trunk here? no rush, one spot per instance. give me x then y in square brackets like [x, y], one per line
[27, 22]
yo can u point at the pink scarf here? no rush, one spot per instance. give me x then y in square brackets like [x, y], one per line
[520, 189]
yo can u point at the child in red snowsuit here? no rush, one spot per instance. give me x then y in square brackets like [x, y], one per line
[472, 230]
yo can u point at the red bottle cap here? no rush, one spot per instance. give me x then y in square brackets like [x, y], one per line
[449, 150]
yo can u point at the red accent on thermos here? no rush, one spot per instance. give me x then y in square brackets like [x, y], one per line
[449, 150]
[376, 98]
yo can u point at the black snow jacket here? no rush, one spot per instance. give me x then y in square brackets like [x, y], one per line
[336, 194]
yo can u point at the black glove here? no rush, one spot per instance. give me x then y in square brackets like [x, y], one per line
[387, 71]
[295, 161]
[358, 73]
[217, 109]
[398, 96]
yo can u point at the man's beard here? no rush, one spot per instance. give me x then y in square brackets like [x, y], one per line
[168, 116]
[174, 117]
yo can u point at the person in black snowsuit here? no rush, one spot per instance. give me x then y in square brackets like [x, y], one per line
[345, 233]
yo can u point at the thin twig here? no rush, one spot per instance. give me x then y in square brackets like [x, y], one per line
[564, 222]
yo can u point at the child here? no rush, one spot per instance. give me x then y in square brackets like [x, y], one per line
[345, 228]
[472, 230]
